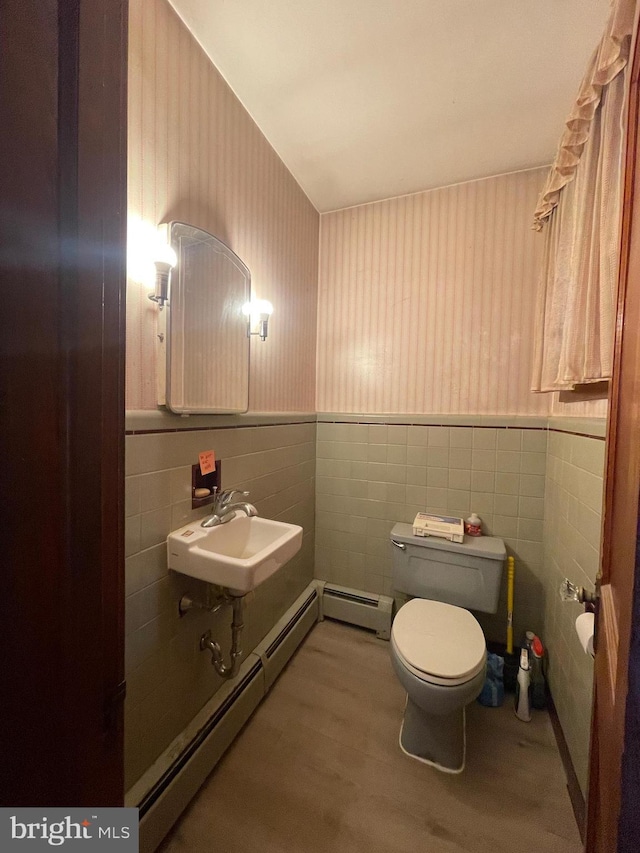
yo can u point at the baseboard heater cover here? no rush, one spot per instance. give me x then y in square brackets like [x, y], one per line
[278, 647]
[164, 803]
[185, 765]
[216, 718]
[364, 609]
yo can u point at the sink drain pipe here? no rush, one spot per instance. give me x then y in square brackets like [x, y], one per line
[217, 659]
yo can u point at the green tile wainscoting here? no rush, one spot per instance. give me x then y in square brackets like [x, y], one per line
[371, 475]
[571, 539]
[537, 483]
[168, 678]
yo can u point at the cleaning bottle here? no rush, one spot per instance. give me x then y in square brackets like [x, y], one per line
[538, 689]
[523, 704]
[473, 525]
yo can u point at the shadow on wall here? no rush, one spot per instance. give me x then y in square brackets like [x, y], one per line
[529, 602]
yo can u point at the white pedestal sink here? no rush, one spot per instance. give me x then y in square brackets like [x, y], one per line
[238, 555]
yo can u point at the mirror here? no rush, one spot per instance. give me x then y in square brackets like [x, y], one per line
[207, 347]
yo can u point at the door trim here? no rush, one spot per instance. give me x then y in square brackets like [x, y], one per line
[63, 73]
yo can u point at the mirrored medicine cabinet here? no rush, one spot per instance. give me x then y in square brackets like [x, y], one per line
[204, 342]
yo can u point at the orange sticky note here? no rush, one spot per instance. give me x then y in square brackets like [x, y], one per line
[207, 461]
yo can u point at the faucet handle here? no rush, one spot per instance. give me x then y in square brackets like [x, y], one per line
[227, 496]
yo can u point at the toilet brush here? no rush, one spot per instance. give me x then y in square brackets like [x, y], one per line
[511, 660]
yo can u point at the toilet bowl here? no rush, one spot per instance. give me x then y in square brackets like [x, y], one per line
[439, 655]
[438, 649]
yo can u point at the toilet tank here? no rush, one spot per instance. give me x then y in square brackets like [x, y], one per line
[466, 574]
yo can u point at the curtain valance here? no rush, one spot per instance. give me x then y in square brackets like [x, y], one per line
[609, 58]
[580, 209]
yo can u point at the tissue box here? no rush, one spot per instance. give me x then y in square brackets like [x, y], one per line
[445, 526]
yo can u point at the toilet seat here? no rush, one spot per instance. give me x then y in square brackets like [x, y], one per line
[439, 643]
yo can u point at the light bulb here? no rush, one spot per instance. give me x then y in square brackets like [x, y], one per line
[257, 313]
[257, 309]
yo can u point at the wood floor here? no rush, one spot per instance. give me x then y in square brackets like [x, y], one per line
[318, 768]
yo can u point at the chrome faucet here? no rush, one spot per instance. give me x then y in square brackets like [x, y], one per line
[224, 509]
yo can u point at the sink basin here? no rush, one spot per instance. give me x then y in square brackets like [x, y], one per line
[239, 555]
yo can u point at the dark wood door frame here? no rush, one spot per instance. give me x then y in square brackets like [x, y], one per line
[611, 825]
[629, 825]
[628, 399]
[62, 286]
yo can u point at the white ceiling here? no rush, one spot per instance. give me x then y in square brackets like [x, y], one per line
[368, 99]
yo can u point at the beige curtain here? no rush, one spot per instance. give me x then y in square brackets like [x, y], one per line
[580, 208]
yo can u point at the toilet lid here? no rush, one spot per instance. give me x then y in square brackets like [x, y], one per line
[439, 639]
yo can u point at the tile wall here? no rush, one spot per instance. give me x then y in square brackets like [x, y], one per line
[168, 678]
[573, 511]
[539, 489]
[371, 475]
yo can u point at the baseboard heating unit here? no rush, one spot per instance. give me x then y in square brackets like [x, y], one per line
[171, 782]
[364, 609]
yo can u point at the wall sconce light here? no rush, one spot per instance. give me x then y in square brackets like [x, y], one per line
[165, 260]
[257, 313]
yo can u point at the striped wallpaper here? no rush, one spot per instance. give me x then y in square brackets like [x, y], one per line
[582, 409]
[196, 155]
[426, 301]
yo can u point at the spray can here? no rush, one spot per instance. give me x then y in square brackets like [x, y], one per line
[523, 703]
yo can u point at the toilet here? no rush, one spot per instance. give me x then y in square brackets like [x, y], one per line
[438, 649]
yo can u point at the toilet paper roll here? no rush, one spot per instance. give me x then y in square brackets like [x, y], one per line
[584, 630]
